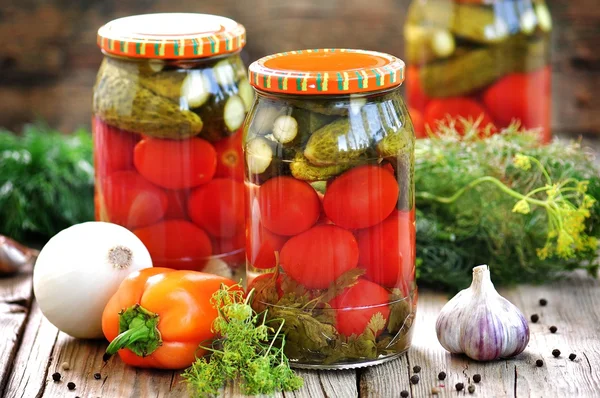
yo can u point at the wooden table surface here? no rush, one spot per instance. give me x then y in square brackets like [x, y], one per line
[31, 350]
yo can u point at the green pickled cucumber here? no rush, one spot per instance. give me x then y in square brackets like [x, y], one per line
[126, 104]
[395, 143]
[340, 107]
[479, 23]
[302, 169]
[167, 83]
[223, 115]
[475, 69]
[426, 44]
[309, 122]
[343, 140]
[246, 91]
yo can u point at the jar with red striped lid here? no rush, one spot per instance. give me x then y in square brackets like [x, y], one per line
[169, 103]
[329, 151]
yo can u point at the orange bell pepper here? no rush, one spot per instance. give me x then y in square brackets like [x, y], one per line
[158, 317]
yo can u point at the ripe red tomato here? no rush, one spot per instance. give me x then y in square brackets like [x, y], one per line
[317, 257]
[442, 108]
[218, 207]
[355, 307]
[418, 123]
[361, 197]
[175, 164]
[131, 201]
[417, 98]
[113, 148]
[176, 244]
[522, 96]
[387, 250]
[230, 158]
[261, 245]
[288, 206]
[177, 207]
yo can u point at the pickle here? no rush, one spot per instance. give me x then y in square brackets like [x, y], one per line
[246, 91]
[234, 113]
[285, 129]
[475, 69]
[124, 103]
[264, 117]
[395, 143]
[222, 116]
[543, 16]
[195, 89]
[224, 73]
[341, 107]
[302, 169]
[343, 140]
[479, 23]
[425, 44]
[259, 155]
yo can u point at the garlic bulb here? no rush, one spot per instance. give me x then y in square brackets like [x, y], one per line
[480, 323]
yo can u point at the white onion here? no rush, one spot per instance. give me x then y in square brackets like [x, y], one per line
[79, 270]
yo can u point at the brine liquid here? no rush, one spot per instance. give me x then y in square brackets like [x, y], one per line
[336, 261]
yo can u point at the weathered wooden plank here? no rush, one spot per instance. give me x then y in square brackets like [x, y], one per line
[317, 384]
[15, 299]
[32, 365]
[117, 379]
[386, 380]
[573, 307]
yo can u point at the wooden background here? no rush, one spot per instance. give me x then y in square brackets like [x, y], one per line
[48, 56]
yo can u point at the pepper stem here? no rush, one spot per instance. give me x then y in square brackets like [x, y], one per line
[138, 332]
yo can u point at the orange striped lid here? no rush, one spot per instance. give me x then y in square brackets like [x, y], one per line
[171, 36]
[326, 72]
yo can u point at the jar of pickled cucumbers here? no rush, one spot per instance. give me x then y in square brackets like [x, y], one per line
[330, 246]
[485, 60]
[169, 103]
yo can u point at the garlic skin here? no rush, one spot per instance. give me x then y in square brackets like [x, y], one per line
[480, 323]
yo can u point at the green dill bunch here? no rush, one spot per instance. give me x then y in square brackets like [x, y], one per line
[530, 211]
[46, 182]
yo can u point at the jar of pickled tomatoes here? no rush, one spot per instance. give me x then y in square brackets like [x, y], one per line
[485, 60]
[169, 103]
[331, 222]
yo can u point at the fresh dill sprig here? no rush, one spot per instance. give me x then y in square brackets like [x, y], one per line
[530, 210]
[248, 349]
[46, 182]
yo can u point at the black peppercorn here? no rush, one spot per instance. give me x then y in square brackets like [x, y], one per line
[414, 379]
[471, 389]
[71, 385]
[535, 318]
[459, 386]
[543, 302]
[539, 363]
[553, 329]
[404, 393]
[441, 375]
[572, 357]
[556, 353]
[97, 376]
[477, 378]
[417, 369]
[56, 376]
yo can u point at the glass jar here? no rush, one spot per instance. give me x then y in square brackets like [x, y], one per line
[169, 103]
[328, 148]
[479, 59]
